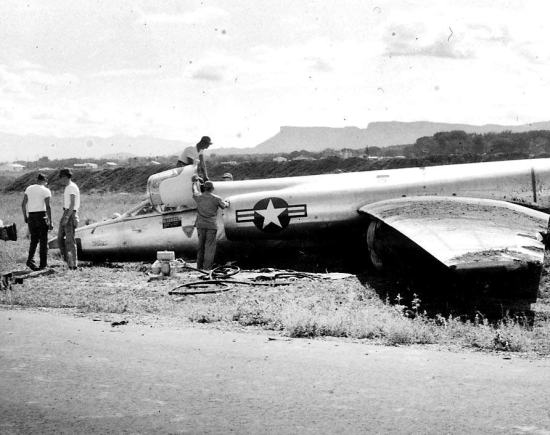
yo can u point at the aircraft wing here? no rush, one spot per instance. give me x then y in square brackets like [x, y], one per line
[467, 233]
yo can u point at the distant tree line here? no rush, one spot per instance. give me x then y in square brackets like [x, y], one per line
[526, 144]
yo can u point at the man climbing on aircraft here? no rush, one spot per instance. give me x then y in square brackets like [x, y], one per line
[193, 154]
[206, 222]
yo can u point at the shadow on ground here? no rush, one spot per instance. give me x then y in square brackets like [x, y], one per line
[420, 284]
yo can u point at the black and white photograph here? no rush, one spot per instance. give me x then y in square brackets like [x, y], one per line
[274, 217]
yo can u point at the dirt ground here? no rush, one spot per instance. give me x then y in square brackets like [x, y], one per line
[61, 374]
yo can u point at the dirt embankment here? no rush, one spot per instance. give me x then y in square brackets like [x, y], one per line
[132, 179]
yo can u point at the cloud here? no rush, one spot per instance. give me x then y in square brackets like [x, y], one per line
[208, 74]
[319, 64]
[42, 116]
[198, 16]
[85, 121]
[441, 48]
[487, 33]
[12, 84]
[15, 80]
[415, 40]
[43, 78]
[214, 66]
[128, 72]
[26, 65]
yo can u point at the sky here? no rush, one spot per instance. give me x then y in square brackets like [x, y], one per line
[238, 70]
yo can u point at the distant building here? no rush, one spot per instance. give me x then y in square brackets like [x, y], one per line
[110, 165]
[154, 162]
[12, 167]
[280, 159]
[85, 165]
[230, 163]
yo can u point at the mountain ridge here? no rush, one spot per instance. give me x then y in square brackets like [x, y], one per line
[288, 139]
[380, 134]
[33, 146]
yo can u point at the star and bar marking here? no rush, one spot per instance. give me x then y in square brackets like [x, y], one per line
[271, 214]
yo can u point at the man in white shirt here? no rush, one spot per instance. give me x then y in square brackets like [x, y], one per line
[195, 154]
[38, 215]
[69, 221]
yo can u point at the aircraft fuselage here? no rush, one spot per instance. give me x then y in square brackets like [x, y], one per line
[312, 209]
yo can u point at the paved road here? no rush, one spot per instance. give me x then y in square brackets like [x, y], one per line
[64, 374]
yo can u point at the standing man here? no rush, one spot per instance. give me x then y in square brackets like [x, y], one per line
[38, 215]
[207, 222]
[69, 220]
[193, 154]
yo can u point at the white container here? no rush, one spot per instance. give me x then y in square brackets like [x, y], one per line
[166, 256]
[155, 267]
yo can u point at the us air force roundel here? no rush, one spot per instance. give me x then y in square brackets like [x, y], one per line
[271, 214]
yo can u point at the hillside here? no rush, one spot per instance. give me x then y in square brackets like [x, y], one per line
[315, 139]
[27, 147]
[380, 134]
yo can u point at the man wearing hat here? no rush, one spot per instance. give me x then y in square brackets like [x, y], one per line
[69, 221]
[195, 154]
[38, 216]
[206, 222]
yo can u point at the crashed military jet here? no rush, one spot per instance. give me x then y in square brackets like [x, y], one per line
[467, 217]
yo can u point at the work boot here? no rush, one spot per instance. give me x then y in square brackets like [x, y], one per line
[31, 265]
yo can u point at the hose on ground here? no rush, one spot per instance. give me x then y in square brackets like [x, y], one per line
[219, 277]
[220, 272]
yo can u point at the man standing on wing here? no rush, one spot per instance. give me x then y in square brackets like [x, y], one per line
[207, 222]
[69, 221]
[193, 154]
[38, 215]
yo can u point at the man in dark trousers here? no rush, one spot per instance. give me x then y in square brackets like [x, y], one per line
[38, 215]
[69, 221]
[207, 222]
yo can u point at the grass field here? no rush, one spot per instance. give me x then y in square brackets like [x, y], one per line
[338, 308]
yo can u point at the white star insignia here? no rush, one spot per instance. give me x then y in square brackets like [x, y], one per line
[271, 214]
